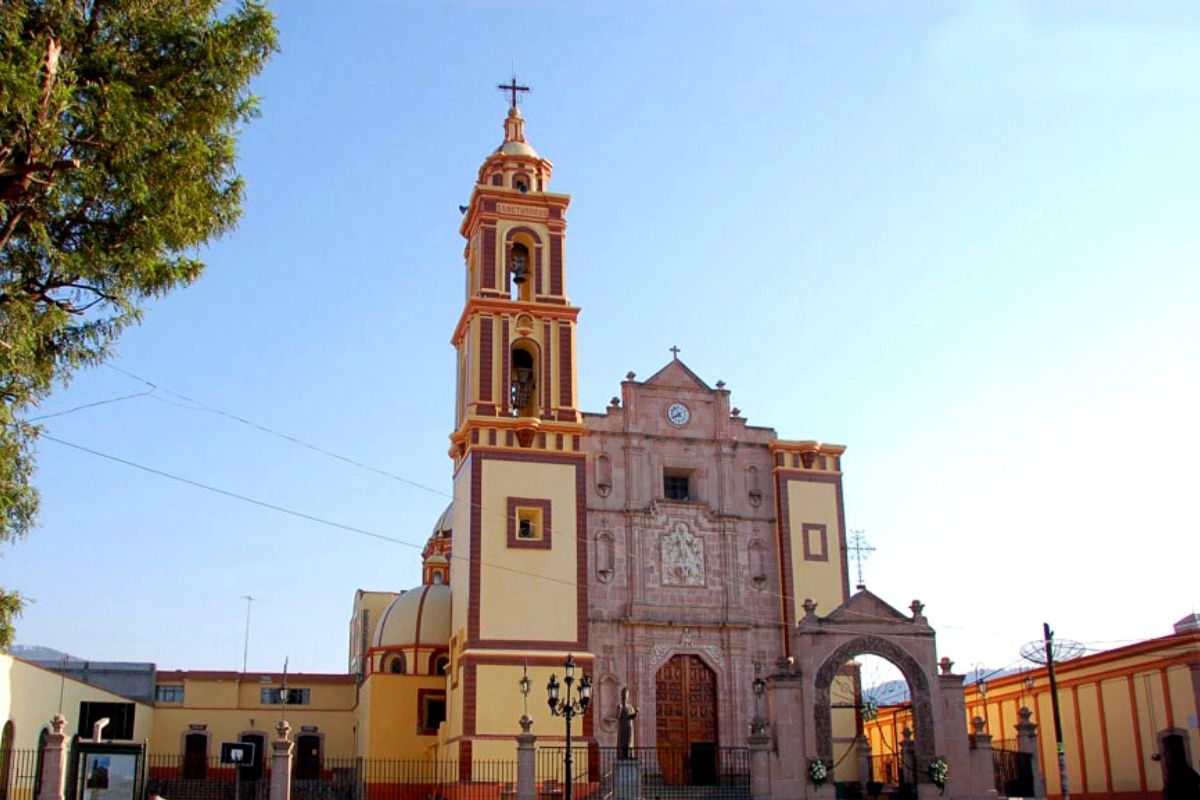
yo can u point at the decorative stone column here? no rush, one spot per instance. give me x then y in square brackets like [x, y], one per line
[54, 762]
[789, 714]
[526, 765]
[862, 753]
[760, 765]
[281, 763]
[1027, 742]
[908, 757]
[983, 771]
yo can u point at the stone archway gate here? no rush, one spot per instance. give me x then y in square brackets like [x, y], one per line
[800, 723]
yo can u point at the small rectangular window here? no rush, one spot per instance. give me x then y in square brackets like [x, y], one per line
[529, 522]
[431, 710]
[675, 487]
[168, 693]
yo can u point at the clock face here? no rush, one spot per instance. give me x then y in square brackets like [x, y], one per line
[678, 414]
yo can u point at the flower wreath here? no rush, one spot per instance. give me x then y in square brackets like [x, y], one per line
[818, 771]
[939, 772]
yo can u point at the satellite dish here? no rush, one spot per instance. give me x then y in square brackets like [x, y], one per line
[1063, 650]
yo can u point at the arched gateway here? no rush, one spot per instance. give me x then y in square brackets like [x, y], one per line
[801, 704]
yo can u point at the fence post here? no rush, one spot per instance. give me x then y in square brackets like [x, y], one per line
[760, 765]
[54, 762]
[1027, 742]
[862, 752]
[526, 767]
[281, 763]
[980, 759]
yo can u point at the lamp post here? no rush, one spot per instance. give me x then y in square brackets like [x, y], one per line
[568, 708]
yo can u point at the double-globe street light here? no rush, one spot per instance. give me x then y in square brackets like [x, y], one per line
[568, 707]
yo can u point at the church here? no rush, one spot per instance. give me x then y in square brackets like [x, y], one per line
[663, 542]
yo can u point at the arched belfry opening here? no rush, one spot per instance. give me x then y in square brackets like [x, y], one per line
[523, 363]
[520, 269]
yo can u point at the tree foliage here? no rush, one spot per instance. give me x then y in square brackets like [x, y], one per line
[118, 123]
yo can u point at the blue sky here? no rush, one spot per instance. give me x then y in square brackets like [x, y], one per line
[959, 238]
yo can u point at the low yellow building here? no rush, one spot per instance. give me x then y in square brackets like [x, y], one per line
[1119, 709]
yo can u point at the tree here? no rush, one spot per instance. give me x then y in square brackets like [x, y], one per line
[118, 123]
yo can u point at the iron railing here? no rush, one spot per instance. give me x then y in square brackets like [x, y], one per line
[183, 777]
[20, 771]
[701, 771]
[1012, 772]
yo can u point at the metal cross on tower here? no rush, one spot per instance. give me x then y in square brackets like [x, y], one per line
[860, 550]
[512, 87]
[675, 352]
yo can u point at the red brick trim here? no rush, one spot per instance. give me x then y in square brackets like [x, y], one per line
[556, 264]
[487, 265]
[506, 386]
[486, 331]
[464, 760]
[1135, 715]
[564, 365]
[1079, 744]
[808, 528]
[547, 353]
[542, 542]
[470, 697]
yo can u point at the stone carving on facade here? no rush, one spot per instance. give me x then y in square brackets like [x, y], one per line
[682, 557]
[662, 650]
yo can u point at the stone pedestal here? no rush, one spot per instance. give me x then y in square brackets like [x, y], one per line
[982, 778]
[526, 763]
[627, 783]
[862, 753]
[760, 766]
[281, 763]
[1027, 742]
[54, 762]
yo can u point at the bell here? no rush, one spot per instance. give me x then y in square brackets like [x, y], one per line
[519, 269]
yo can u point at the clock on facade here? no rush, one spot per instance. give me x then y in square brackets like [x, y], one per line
[678, 414]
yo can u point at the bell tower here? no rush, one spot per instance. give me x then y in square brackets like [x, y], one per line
[520, 557]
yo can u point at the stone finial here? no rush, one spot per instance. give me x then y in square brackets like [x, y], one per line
[630, 375]
[615, 402]
[736, 412]
[810, 608]
[526, 722]
[946, 665]
[59, 723]
[906, 733]
[978, 724]
[1024, 715]
[283, 729]
[917, 608]
[720, 384]
[785, 665]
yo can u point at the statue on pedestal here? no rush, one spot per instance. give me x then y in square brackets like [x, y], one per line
[626, 714]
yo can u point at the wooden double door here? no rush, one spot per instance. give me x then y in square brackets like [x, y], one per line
[686, 714]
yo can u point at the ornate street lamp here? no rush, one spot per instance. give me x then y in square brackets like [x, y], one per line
[568, 708]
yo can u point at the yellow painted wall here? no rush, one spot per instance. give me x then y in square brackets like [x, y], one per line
[394, 715]
[821, 580]
[228, 707]
[510, 575]
[1114, 753]
[30, 697]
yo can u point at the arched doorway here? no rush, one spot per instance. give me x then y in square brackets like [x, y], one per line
[686, 721]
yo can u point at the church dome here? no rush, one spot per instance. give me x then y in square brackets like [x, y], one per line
[445, 523]
[419, 616]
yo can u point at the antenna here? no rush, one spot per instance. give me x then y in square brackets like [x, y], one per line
[246, 645]
[861, 550]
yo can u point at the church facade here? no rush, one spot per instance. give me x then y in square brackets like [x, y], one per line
[665, 543]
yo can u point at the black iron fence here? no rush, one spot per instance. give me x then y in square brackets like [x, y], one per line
[182, 778]
[19, 774]
[700, 771]
[200, 778]
[1012, 772]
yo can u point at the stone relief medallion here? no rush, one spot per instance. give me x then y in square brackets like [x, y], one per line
[682, 557]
